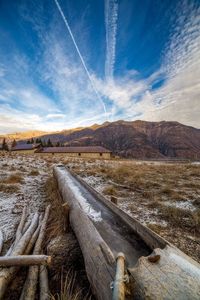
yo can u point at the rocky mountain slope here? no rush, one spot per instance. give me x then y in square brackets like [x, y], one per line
[136, 139]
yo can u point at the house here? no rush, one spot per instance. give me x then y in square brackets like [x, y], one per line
[83, 152]
[25, 148]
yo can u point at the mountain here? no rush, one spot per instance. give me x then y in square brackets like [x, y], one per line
[136, 139]
[22, 135]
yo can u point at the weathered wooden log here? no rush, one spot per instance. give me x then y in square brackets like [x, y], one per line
[118, 284]
[99, 259]
[19, 231]
[24, 260]
[168, 274]
[173, 276]
[26, 226]
[21, 225]
[30, 285]
[1, 240]
[25, 239]
[44, 284]
[7, 274]
[32, 240]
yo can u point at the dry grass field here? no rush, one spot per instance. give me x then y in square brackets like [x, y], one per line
[163, 196]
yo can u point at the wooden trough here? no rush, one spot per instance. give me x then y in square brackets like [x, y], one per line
[155, 269]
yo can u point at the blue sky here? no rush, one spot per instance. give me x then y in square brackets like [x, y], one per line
[124, 59]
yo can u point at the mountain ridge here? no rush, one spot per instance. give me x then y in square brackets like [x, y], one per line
[135, 139]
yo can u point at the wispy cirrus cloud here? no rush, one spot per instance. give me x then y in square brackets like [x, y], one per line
[68, 98]
[178, 96]
[50, 90]
[111, 17]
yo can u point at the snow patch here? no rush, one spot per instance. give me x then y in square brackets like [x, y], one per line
[90, 211]
[187, 205]
[31, 192]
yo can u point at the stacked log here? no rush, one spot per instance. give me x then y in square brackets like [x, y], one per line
[29, 237]
[30, 285]
[24, 260]
[1, 241]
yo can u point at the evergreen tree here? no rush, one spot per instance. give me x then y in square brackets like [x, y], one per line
[32, 141]
[44, 144]
[41, 142]
[4, 145]
[49, 143]
[37, 141]
[14, 143]
[28, 142]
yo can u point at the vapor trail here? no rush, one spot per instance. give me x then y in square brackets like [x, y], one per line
[111, 17]
[79, 53]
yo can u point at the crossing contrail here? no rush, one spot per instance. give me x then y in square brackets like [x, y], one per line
[111, 17]
[79, 53]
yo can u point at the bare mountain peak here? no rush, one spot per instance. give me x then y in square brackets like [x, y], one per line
[136, 139]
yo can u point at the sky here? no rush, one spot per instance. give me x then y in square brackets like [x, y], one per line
[72, 63]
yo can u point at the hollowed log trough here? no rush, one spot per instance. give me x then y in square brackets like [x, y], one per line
[156, 269]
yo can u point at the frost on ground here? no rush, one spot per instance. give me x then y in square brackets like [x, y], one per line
[27, 180]
[163, 196]
[19, 187]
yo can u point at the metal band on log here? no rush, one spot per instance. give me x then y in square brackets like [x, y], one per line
[99, 260]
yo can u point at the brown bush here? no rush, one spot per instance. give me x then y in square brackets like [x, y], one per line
[184, 218]
[8, 188]
[110, 190]
[14, 178]
[156, 227]
[34, 173]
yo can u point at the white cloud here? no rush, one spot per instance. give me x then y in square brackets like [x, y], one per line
[55, 116]
[179, 96]
[71, 100]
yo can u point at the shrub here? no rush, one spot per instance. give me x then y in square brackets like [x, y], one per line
[156, 227]
[184, 218]
[110, 190]
[8, 188]
[34, 173]
[14, 178]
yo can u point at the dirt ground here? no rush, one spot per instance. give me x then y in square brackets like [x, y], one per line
[163, 196]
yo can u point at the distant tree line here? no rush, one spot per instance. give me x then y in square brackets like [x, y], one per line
[44, 143]
[5, 147]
